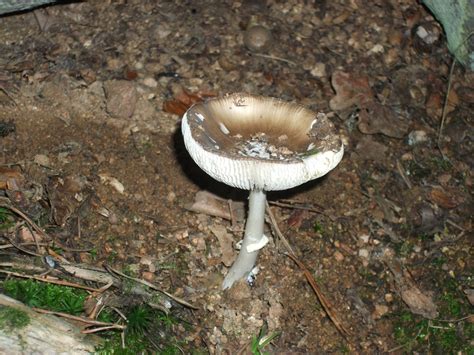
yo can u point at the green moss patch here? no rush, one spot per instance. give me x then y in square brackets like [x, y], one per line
[12, 318]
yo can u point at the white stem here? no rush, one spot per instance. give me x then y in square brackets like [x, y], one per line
[253, 236]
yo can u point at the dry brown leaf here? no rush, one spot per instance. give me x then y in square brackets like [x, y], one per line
[350, 91]
[183, 100]
[443, 199]
[376, 118]
[296, 218]
[10, 179]
[174, 106]
[29, 236]
[210, 204]
[226, 243]
[418, 301]
[63, 193]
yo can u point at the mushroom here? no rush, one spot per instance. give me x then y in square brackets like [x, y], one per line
[259, 144]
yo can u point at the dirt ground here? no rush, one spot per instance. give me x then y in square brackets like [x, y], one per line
[91, 97]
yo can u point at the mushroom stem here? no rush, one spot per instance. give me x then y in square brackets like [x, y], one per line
[253, 239]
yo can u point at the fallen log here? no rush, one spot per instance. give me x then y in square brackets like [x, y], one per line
[23, 331]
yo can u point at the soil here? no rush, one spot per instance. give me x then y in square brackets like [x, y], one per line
[91, 95]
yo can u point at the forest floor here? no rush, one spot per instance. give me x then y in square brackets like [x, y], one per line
[91, 98]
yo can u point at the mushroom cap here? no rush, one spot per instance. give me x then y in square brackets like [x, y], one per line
[254, 142]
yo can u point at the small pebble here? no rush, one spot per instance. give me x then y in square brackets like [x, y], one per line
[113, 219]
[146, 260]
[150, 82]
[199, 243]
[380, 311]
[171, 197]
[42, 160]
[148, 276]
[364, 253]
[417, 137]
[338, 256]
[121, 98]
[388, 297]
[319, 70]
[257, 38]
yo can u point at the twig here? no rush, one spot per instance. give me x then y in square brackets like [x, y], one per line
[455, 225]
[27, 219]
[322, 299]
[278, 231]
[444, 113]
[280, 59]
[296, 207]
[49, 280]
[79, 318]
[34, 237]
[324, 302]
[38, 229]
[456, 320]
[119, 313]
[445, 106]
[6, 246]
[403, 175]
[8, 95]
[95, 330]
[20, 248]
[150, 285]
[407, 343]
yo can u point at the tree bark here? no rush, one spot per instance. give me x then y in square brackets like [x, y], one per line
[44, 334]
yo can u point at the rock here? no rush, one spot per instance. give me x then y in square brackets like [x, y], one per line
[319, 70]
[257, 38]
[121, 98]
[417, 137]
[470, 295]
[239, 291]
[7, 6]
[42, 160]
[380, 311]
[338, 256]
[150, 82]
[456, 16]
[388, 297]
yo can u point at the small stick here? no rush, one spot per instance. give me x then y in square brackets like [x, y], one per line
[278, 231]
[79, 318]
[95, 330]
[20, 248]
[403, 175]
[444, 113]
[152, 286]
[296, 207]
[27, 219]
[6, 246]
[49, 280]
[231, 213]
[322, 299]
[8, 95]
[324, 302]
[455, 225]
[274, 58]
[34, 237]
